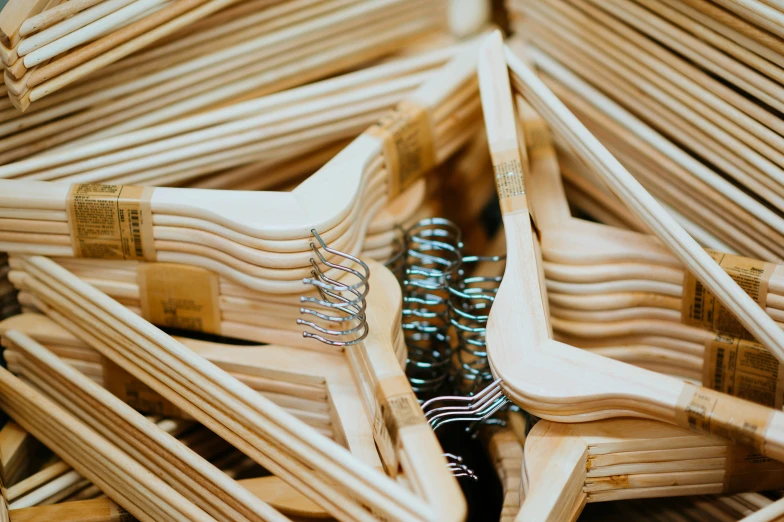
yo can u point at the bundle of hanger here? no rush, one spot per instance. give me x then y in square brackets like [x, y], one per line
[192, 298]
[629, 467]
[344, 485]
[686, 94]
[52, 481]
[749, 507]
[619, 292]
[70, 58]
[263, 143]
[258, 240]
[560, 382]
[567, 466]
[588, 469]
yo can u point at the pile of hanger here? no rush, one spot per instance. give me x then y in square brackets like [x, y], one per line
[266, 142]
[259, 239]
[595, 348]
[558, 381]
[567, 466]
[586, 470]
[318, 391]
[229, 309]
[374, 363]
[77, 56]
[686, 94]
[55, 482]
[610, 289]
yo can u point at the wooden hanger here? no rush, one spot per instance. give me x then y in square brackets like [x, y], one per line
[296, 209]
[530, 365]
[115, 472]
[240, 308]
[506, 453]
[589, 302]
[282, 462]
[622, 459]
[666, 229]
[191, 475]
[729, 127]
[319, 392]
[243, 314]
[315, 112]
[227, 57]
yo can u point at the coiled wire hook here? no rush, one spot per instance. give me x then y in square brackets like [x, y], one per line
[339, 311]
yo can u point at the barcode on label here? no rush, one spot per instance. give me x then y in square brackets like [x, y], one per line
[699, 295]
[136, 232]
[718, 377]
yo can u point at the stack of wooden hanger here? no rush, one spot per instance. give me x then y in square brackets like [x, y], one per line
[265, 143]
[53, 481]
[259, 240]
[686, 94]
[567, 466]
[82, 52]
[318, 391]
[618, 459]
[749, 507]
[407, 446]
[612, 290]
[154, 290]
[563, 383]
[506, 453]
[175, 484]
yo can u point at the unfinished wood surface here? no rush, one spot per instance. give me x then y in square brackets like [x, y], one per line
[520, 349]
[282, 461]
[288, 217]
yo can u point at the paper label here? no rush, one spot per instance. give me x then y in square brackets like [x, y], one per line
[748, 470]
[408, 144]
[707, 411]
[743, 369]
[135, 393]
[398, 409]
[509, 181]
[110, 221]
[701, 308]
[180, 296]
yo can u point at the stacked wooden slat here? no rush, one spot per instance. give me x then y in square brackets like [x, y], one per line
[318, 391]
[685, 93]
[556, 380]
[87, 55]
[374, 365]
[613, 290]
[625, 459]
[263, 143]
[259, 239]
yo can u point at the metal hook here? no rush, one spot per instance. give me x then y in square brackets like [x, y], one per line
[340, 307]
[433, 253]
